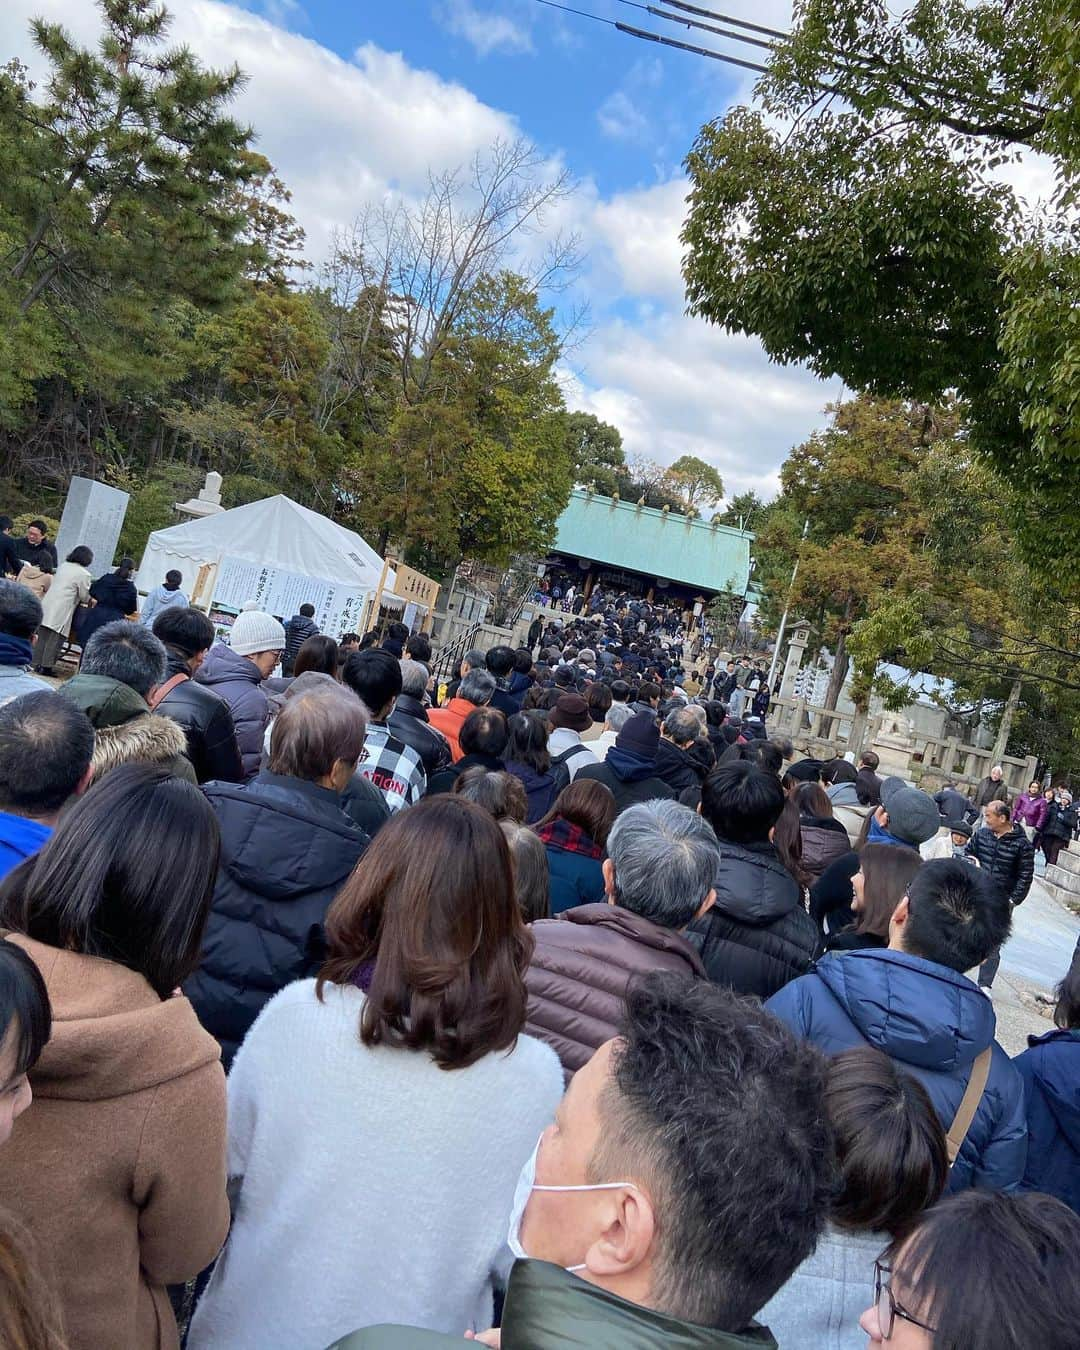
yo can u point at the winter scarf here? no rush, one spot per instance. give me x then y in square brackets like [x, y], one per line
[562, 834]
[15, 651]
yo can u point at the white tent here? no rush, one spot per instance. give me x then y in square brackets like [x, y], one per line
[275, 533]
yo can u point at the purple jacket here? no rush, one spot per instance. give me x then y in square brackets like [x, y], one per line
[1030, 811]
[237, 680]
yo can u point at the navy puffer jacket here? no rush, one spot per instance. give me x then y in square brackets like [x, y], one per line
[237, 680]
[1051, 1074]
[931, 1021]
[287, 848]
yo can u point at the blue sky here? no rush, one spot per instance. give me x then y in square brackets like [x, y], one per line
[356, 103]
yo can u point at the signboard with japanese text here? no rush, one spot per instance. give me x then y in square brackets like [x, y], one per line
[338, 609]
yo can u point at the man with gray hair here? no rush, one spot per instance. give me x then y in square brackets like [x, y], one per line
[20, 618]
[675, 765]
[658, 877]
[123, 669]
[409, 720]
[474, 659]
[474, 691]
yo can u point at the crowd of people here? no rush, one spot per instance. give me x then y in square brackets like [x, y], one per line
[558, 1004]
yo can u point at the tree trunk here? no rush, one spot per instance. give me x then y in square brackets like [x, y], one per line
[1001, 741]
[841, 665]
[857, 735]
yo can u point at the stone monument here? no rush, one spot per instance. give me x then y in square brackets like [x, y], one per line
[893, 745]
[800, 640]
[207, 503]
[93, 515]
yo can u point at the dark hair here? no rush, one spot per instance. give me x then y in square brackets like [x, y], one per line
[813, 801]
[368, 640]
[599, 700]
[718, 1110]
[501, 795]
[185, 628]
[173, 579]
[484, 733]
[870, 760]
[375, 675]
[128, 653]
[528, 741]
[38, 525]
[766, 756]
[24, 1005]
[5, 524]
[620, 691]
[432, 903]
[532, 875]
[396, 631]
[307, 611]
[318, 653]
[993, 1271]
[419, 648]
[315, 729]
[589, 805]
[46, 745]
[127, 875]
[890, 1144]
[20, 610]
[741, 802]
[838, 770]
[887, 872]
[81, 554]
[1067, 1011]
[957, 914]
[500, 661]
[787, 840]
[523, 661]
[126, 567]
[565, 678]
[648, 692]
[535, 698]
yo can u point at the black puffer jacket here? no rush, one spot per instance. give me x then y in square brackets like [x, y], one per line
[297, 631]
[409, 723]
[678, 768]
[287, 848]
[1009, 859]
[207, 724]
[757, 936]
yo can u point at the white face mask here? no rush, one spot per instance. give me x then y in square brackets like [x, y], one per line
[526, 1185]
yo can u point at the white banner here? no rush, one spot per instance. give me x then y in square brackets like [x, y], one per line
[338, 609]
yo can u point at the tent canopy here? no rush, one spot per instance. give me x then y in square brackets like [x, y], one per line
[275, 531]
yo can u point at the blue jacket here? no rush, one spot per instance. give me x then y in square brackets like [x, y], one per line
[1051, 1074]
[576, 879]
[931, 1021]
[19, 839]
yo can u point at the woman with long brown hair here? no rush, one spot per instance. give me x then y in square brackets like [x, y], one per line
[885, 872]
[379, 1117]
[574, 833]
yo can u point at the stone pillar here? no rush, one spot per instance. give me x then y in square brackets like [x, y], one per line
[800, 640]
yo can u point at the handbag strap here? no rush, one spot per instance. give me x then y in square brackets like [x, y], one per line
[164, 689]
[969, 1104]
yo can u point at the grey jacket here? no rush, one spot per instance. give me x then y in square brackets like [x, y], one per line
[820, 1306]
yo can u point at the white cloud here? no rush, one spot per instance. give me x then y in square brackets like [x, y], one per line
[620, 118]
[485, 30]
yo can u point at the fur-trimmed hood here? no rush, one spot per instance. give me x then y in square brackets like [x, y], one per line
[125, 730]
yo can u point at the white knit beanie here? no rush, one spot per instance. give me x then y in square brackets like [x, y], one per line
[254, 631]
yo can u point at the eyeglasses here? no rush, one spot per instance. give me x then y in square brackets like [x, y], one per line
[888, 1310]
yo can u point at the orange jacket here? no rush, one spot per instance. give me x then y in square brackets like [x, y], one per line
[449, 721]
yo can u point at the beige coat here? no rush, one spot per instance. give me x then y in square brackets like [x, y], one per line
[70, 588]
[34, 579]
[118, 1166]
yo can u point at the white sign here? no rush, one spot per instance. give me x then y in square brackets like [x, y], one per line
[338, 609]
[94, 516]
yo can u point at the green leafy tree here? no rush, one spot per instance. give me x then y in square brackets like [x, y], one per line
[696, 481]
[869, 236]
[745, 511]
[597, 452]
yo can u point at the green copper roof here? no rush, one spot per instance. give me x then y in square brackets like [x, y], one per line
[639, 539]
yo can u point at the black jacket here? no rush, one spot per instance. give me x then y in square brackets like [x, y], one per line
[1059, 823]
[627, 792]
[409, 723]
[365, 805]
[207, 724]
[953, 805]
[444, 780]
[297, 631]
[10, 562]
[757, 936]
[1008, 858]
[678, 768]
[287, 848]
[36, 553]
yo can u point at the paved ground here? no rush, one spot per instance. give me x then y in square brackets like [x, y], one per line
[1034, 959]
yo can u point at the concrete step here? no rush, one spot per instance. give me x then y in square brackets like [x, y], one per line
[1069, 861]
[1069, 899]
[1064, 880]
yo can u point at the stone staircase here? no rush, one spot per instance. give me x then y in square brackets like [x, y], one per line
[1063, 880]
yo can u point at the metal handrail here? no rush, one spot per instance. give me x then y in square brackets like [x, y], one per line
[443, 663]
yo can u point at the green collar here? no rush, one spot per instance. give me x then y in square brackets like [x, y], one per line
[549, 1306]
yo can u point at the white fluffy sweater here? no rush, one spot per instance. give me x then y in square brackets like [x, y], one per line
[376, 1186]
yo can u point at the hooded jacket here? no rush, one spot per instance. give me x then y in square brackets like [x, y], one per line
[539, 789]
[580, 968]
[757, 936]
[628, 777]
[237, 680]
[932, 1021]
[848, 810]
[679, 769]
[1051, 1073]
[548, 1306]
[116, 598]
[118, 1168]
[207, 724]
[126, 731]
[287, 848]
